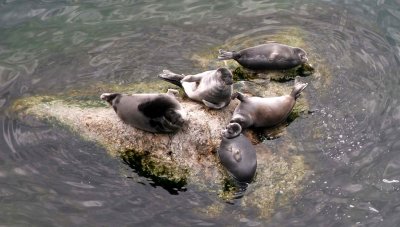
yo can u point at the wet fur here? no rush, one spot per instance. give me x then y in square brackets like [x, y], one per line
[153, 113]
[213, 88]
[157, 107]
[239, 157]
[271, 56]
[265, 112]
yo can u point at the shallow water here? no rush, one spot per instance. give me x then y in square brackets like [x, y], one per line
[49, 176]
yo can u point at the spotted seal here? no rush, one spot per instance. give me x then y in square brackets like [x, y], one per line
[213, 88]
[160, 113]
[270, 56]
[265, 112]
[237, 154]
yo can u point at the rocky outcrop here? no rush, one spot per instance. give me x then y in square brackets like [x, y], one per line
[188, 157]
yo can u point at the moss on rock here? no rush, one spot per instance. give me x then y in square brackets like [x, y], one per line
[162, 172]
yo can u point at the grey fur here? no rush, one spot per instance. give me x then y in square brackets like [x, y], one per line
[270, 56]
[237, 154]
[160, 113]
[265, 112]
[213, 88]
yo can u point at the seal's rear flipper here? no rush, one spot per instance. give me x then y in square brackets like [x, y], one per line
[298, 87]
[214, 106]
[171, 77]
[173, 92]
[109, 97]
[226, 55]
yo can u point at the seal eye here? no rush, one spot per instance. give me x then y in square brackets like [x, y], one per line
[225, 75]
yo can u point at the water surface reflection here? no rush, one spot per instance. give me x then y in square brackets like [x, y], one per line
[51, 177]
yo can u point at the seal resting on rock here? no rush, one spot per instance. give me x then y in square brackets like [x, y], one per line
[265, 112]
[149, 112]
[213, 88]
[270, 56]
[237, 154]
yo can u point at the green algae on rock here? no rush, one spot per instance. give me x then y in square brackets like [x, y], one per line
[161, 172]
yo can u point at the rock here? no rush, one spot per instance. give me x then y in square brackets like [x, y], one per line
[171, 160]
[188, 158]
[292, 36]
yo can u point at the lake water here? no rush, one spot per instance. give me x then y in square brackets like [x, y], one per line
[51, 177]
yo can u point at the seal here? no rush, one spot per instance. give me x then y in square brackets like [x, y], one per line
[213, 88]
[159, 113]
[270, 56]
[265, 112]
[237, 154]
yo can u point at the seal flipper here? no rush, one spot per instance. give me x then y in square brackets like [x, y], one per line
[226, 55]
[193, 78]
[239, 96]
[171, 77]
[173, 93]
[212, 105]
[298, 88]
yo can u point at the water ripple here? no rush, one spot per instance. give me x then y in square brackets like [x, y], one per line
[351, 141]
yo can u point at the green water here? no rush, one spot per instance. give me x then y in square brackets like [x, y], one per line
[49, 177]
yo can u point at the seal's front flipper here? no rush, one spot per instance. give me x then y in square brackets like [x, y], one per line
[212, 105]
[239, 96]
[192, 78]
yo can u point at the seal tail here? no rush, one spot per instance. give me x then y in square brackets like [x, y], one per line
[171, 77]
[298, 87]
[226, 55]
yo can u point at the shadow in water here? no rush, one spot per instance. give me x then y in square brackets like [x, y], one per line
[143, 167]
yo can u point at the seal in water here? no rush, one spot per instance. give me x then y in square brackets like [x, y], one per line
[148, 112]
[265, 112]
[237, 154]
[213, 88]
[270, 56]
